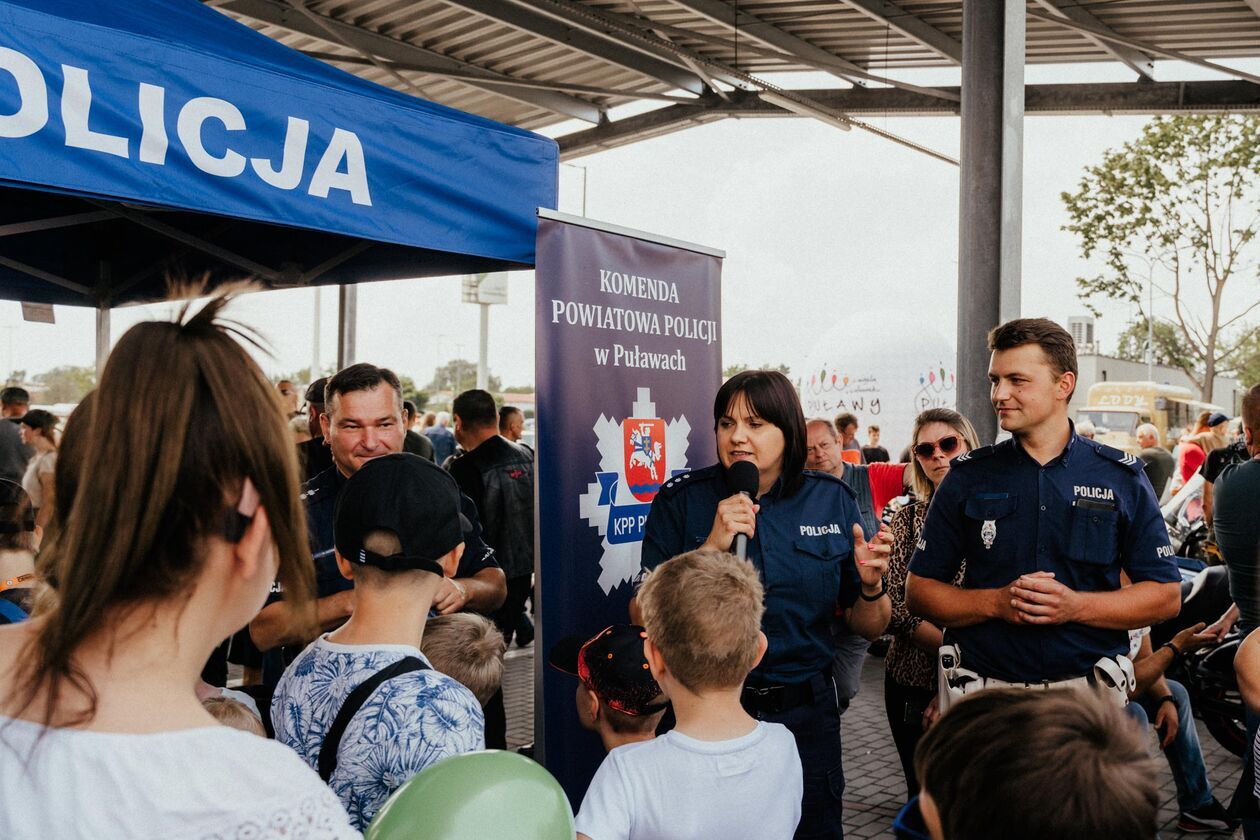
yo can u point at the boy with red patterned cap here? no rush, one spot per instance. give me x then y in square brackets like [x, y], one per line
[617, 698]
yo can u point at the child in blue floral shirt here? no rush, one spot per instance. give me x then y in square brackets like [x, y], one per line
[398, 532]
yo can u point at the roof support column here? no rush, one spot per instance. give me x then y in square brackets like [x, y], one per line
[347, 320]
[990, 193]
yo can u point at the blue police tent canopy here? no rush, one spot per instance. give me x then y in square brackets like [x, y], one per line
[152, 136]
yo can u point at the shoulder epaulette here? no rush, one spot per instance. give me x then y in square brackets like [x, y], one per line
[1128, 459]
[826, 476]
[670, 487]
[315, 484]
[974, 455]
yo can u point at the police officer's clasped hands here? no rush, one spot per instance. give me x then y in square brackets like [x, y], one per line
[1037, 598]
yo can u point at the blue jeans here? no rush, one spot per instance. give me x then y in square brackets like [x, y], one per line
[1185, 756]
[846, 667]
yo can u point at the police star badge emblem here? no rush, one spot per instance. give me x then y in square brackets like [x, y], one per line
[637, 456]
[988, 532]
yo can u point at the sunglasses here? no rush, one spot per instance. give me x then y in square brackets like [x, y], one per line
[947, 445]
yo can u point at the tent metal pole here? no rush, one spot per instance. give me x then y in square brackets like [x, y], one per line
[102, 338]
[347, 316]
[315, 366]
[990, 194]
[47, 276]
[106, 277]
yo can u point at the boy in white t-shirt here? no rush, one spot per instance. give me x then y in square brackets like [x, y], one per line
[719, 773]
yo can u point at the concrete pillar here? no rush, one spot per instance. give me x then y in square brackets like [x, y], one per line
[990, 193]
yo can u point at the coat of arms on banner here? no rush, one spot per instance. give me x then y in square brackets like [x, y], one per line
[637, 455]
[644, 465]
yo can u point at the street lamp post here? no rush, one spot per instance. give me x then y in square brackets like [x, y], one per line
[1150, 323]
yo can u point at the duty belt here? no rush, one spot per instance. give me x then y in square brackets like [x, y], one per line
[1112, 675]
[775, 698]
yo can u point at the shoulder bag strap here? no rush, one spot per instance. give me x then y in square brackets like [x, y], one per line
[12, 611]
[332, 741]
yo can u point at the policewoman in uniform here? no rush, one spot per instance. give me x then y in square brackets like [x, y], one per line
[805, 539]
[1046, 522]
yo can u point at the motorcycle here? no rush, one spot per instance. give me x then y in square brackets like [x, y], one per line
[1208, 674]
[1187, 528]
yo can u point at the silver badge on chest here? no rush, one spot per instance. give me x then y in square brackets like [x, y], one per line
[988, 532]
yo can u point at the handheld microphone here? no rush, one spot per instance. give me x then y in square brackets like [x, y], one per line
[743, 477]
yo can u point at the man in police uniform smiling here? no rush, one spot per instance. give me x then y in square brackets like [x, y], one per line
[1046, 522]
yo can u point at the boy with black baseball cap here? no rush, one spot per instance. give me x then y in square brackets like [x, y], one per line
[362, 704]
[617, 698]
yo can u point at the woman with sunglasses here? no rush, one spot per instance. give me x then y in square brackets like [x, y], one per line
[164, 543]
[805, 539]
[940, 435]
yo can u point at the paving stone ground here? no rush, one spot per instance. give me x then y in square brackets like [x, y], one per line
[875, 788]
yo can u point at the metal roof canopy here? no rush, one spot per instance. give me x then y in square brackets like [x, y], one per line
[535, 63]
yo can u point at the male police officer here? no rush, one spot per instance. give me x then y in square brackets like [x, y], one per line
[1046, 522]
[364, 421]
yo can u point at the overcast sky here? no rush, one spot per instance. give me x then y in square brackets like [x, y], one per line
[816, 223]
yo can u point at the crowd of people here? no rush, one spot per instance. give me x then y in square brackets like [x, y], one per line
[367, 577]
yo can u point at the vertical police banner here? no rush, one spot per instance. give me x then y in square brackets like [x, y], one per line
[628, 360]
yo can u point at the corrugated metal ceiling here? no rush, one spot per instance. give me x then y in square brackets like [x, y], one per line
[534, 63]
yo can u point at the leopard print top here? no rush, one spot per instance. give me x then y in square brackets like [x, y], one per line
[906, 662]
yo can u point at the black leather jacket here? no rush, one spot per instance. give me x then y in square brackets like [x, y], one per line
[499, 477]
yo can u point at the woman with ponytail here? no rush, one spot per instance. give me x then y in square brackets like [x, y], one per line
[164, 543]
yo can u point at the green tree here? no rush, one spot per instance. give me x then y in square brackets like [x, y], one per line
[1176, 208]
[17, 377]
[66, 384]
[1170, 347]
[731, 370]
[1247, 359]
[410, 392]
[303, 375]
[519, 389]
[459, 375]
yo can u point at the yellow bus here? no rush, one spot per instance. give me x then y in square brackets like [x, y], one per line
[1117, 408]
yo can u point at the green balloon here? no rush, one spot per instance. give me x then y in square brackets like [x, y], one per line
[488, 795]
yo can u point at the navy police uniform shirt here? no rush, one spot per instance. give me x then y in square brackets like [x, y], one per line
[802, 549]
[320, 497]
[1085, 516]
